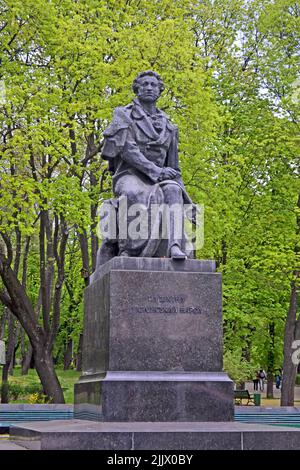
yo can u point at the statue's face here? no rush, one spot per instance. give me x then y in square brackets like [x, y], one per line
[148, 89]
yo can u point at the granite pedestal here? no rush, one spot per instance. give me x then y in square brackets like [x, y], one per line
[152, 347]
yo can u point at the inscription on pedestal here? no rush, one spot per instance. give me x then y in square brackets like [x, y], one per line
[174, 304]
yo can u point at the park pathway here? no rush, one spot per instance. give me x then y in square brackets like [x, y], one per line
[276, 391]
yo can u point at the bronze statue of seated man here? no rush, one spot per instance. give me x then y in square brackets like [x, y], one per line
[141, 147]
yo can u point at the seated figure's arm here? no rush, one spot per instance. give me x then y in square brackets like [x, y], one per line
[132, 155]
[172, 154]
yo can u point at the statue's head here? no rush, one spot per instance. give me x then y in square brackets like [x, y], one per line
[148, 86]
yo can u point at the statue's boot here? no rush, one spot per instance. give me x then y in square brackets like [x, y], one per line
[124, 253]
[177, 253]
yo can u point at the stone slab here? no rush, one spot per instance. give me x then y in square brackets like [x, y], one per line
[87, 435]
[153, 264]
[155, 396]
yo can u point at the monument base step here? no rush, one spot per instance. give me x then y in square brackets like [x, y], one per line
[154, 396]
[89, 435]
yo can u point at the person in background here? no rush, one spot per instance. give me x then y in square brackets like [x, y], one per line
[256, 381]
[278, 378]
[262, 376]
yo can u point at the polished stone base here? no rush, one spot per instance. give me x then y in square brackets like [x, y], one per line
[153, 343]
[88, 435]
[155, 396]
[147, 314]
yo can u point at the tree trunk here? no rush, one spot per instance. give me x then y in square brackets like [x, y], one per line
[68, 353]
[15, 348]
[85, 273]
[292, 333]
[94, 219]
[79, 354]
[18, 302]
[289, 369]
[46, 372]
[9, 355]
[271, 361]
[3, 323]
[26, 361]
[270, 383]
[12, 361]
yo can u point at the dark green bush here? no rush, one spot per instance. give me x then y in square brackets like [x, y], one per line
[33, 388]
[17, 391]
[298, 379]
[14, 391]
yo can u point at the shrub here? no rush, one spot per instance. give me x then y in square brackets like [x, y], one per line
[33, 388]
[238, 369]
[14, 391]
[38, 398]
[18, 391]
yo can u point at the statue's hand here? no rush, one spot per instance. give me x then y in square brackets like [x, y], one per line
[168, 174]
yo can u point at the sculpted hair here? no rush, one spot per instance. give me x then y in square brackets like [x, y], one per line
[150, 73]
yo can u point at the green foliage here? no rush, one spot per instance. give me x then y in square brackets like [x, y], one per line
[250, 181]
[237, 368]
[230, 69]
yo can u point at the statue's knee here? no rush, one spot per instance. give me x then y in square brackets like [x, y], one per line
[172, 191]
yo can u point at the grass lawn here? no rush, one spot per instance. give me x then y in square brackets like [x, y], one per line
[67, 380]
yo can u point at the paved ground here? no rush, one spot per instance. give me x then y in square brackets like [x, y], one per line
[5, 444]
